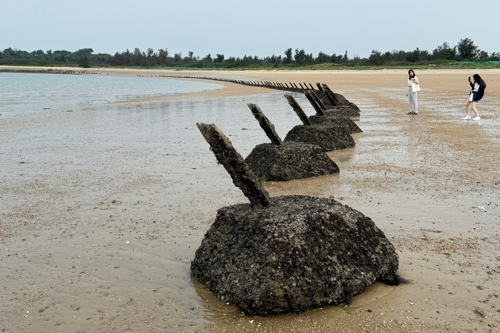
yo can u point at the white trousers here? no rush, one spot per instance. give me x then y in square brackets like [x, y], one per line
[412, 98]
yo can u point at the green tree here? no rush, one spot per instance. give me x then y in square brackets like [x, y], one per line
[482, 55]
[299, 57]
[376, 58]
[150, 57]
[137, 59]
[466, 49]
[207, 59]
[219, 58]
[444, 52]
[83, 52]
[162, 56]
[288, 56]
[413, 56]
[302, 58]
[9, 52]
[495, 56]
[84, 62]
[322, 58]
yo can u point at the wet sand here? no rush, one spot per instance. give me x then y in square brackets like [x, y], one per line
[103, 208]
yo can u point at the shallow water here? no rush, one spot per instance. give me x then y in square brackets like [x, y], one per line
[120, 196]
[25, 93]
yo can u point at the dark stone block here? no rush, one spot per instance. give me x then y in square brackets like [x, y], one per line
[342, 110]
[291, 160]
[298, 253]
[340, 122]
[327, 137]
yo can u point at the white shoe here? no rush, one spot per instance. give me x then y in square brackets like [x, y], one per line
[476, 118]
[467, 117]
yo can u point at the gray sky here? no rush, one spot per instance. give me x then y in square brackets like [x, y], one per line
[252, 27]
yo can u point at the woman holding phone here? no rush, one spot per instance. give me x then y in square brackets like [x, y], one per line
[477, 84]
[412, 95]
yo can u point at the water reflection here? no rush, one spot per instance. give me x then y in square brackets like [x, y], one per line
[229, 318]
[24, 93]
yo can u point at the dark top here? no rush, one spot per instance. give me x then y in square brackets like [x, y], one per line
[480, 91]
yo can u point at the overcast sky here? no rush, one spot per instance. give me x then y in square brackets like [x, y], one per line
[252, 27]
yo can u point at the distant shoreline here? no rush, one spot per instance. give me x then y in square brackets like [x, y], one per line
[16, 69]
[249, 72]
[337, 80]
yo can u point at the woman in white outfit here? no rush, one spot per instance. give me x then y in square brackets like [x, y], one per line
[412, 96]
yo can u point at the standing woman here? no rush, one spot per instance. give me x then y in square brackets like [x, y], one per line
[412, 92]
[477, 92]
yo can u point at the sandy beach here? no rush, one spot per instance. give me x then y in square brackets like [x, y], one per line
[102, 209]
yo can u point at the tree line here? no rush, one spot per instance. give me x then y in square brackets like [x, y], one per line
[464, 50]
[81, 58]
